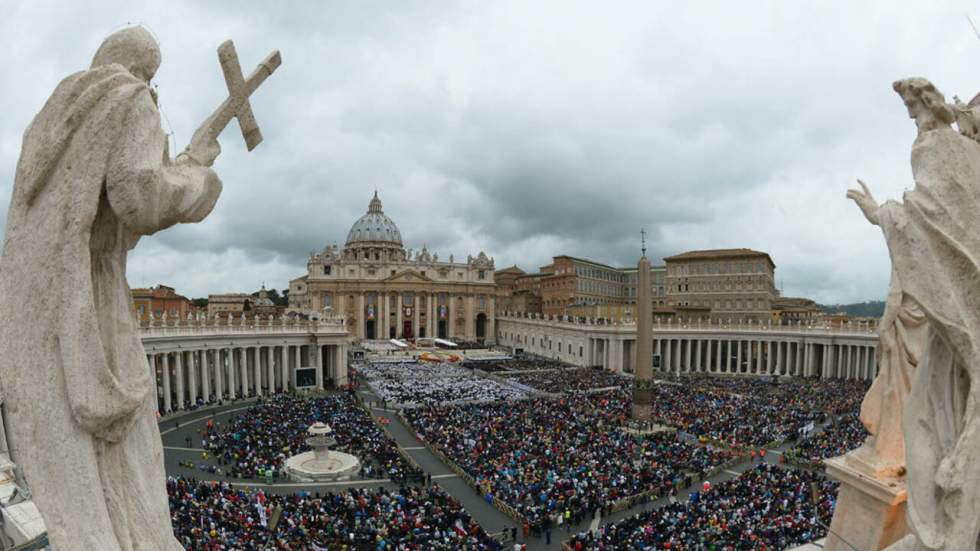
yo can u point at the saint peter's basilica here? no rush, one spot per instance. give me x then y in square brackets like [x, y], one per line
[386, 291]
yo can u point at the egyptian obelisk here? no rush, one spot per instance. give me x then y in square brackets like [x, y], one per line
[644, 340]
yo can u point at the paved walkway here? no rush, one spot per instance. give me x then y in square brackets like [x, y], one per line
[176, 430]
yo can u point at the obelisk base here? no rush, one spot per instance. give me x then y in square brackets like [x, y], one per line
[870, 511]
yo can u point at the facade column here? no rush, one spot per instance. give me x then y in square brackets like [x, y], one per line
[382, 320]
[697, 355]
[416, 318]
[717, 356]
[728, 357]
[669, 367]
[319, 366]
[687, 355]
[738, 356]
[179, 370]
[361, 317]
[202, 365]
[430, 316]
[165, 358]
[398, 316]
[708, 366]
[850, 359]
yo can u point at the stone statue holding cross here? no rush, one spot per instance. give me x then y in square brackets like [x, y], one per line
[94, 176]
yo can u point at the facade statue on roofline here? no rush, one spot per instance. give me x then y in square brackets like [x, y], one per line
[931, 327]
[94, 176]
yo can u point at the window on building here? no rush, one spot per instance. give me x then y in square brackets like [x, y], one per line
[326, 269]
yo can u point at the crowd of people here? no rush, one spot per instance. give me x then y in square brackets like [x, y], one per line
[767, 507]
[568, 380]
[569, 457]
[836, 439]
[216, 516]
[410, 384]
[261, 438]
[525, 362]
[751, 412]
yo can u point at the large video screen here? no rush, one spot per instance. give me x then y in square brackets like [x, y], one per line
[305, 377]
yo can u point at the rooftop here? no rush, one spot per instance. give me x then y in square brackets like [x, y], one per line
[720, 253]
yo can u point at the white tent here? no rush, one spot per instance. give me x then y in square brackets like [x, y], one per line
[444, 342]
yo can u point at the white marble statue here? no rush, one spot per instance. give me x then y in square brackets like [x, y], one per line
[902, 334]
[94, 175]
[933, 238]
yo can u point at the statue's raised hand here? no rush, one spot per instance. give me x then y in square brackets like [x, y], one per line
[865, 201]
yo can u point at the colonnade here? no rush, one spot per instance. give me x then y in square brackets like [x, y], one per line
[845, 352]
[185, 377]
[761, 356]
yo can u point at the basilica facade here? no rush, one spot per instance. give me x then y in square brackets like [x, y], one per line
[385, 291]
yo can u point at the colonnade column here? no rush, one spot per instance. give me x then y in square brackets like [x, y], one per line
[165, 364]
[284, 367]
[697, 355]
[202, 366]
[192, 372]
[179, 370]
[298, 356]
[270, 371]
[217, 363]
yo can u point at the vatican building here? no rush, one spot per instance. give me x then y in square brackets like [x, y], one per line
[387, 292]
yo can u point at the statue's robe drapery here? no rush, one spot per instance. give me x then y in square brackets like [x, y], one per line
[935, 250]
[93, 176]
[902, 335]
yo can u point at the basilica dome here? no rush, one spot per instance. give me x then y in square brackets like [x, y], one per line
[374, 228]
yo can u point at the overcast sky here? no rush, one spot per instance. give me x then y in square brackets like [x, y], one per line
[526, 129]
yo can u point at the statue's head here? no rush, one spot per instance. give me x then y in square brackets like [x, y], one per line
[134, 48]
[925, 103]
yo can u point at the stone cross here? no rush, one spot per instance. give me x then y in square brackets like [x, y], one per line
[239, 89]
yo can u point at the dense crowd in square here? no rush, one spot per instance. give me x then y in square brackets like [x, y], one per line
[261, 438]
[767, 507]
[216, 516]
[844, 435]
[525, 362]
[410, 384]
[569, 457]
[568, 380]
[751, 412]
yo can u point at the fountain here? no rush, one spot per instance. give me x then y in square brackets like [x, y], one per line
[322, 464]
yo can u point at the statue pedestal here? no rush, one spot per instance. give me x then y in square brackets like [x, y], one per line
[870, 511]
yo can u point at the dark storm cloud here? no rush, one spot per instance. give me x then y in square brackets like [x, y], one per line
[526, 130]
